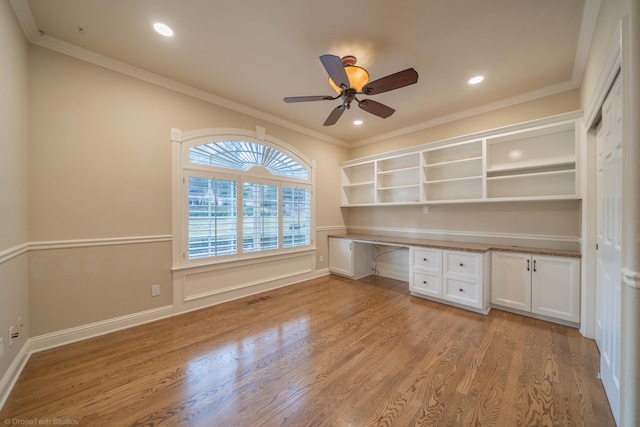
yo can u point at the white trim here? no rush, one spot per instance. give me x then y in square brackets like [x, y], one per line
[109, 241]
[35, 36]
[587, 27]
[631, 278]
[91, 330]
[29, 26]
[8, 381]
[71, 335]
[331, 228]
[11, 253]
[608, 74]
[504, 103]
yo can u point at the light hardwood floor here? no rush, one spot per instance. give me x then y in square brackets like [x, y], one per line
[329, 351]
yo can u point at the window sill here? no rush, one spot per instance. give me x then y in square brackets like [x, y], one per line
[245, 259]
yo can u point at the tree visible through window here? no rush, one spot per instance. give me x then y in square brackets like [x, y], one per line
[244, 197]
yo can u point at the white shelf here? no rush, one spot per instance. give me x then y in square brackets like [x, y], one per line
[359, 184]
[536, 163]
[398, 187]
[401, 170]
[464, 178]
[453, 162]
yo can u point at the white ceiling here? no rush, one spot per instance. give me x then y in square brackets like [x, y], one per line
[249, 54]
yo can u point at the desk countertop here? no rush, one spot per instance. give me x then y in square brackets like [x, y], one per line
[458, 246]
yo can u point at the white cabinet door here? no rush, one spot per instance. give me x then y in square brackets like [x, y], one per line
[340, 256]
[511, 280]
[555, 290]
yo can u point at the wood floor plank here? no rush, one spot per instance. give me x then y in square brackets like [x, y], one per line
[329, 351]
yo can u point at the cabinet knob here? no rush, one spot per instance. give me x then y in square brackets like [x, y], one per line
[461, 265]
[424, 282]
[425, 259]
[461, 290]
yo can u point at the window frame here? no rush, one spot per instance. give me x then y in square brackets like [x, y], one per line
[183, 169]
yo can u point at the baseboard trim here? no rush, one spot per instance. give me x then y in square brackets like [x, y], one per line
[79, 333]
[83, 332]
[13, 373]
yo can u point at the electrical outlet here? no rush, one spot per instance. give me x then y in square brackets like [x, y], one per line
[155, 290]
[321, 258]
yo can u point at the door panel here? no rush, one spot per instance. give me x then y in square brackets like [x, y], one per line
[609, 254]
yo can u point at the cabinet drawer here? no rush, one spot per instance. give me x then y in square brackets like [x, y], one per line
[463, 263]
[463, 292]
[427, 284]
[428, 260]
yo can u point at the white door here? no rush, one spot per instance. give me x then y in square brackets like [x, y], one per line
[608, 263]
[511, 280]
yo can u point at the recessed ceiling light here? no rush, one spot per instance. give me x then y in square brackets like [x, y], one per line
[163, 29]
[475, 80]
[357, 122]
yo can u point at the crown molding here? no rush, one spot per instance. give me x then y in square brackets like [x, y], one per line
[37, 37]
[507, 102]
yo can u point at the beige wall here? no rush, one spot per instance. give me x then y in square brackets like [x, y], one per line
[13, 183]
[100, 161]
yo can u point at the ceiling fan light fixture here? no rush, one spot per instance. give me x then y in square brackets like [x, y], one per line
[358, 76]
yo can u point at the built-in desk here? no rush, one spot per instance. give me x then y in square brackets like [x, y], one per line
[460, 273]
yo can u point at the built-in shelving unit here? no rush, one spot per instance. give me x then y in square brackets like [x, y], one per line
[518, 163]
[398, 179]
[453, 172]
[358, 184]
[539, 163]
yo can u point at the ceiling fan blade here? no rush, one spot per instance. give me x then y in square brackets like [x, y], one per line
[307, 98]
[391, 82]
[334, 116]
[335, 69]
[376, 108]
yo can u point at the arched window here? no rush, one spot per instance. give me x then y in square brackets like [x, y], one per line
[241, 196]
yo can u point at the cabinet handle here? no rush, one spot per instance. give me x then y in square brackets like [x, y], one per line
[528, 265]
[534, 265]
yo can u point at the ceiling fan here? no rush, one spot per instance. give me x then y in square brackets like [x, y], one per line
[349, 80]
